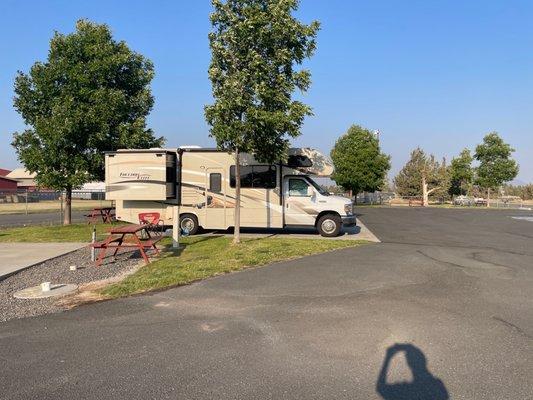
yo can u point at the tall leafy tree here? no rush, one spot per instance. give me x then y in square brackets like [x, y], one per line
[360, 166]
[421, 176]
[525, 192]
[496, 166]
[443, 180]
[255, 46]
[92, 94]
[461, 173]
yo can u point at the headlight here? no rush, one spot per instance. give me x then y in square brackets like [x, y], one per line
[348, 209]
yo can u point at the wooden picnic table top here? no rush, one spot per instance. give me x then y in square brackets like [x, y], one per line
[130, 228]
[103, 208]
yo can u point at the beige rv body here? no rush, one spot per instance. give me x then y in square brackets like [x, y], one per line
[136, 181]
[139, 175]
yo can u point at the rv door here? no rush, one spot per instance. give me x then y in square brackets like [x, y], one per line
[300, 207]
[215, 199]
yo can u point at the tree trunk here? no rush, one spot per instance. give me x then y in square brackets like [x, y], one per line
[425, 201]
[237, 229]
[67, 216]
[488, 197]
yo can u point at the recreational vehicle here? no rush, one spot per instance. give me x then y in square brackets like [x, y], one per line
[201, 182]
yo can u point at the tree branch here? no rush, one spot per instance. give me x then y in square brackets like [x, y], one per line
[432, 190]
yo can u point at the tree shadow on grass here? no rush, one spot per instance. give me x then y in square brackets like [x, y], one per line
[176, 252]
[424, 385]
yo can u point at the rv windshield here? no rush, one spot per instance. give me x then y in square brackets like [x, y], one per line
[319, 188]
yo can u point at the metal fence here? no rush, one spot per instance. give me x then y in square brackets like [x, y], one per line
[374, 197]
[463, 201]
[50, 202]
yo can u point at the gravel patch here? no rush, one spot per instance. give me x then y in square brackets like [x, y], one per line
[57, 270]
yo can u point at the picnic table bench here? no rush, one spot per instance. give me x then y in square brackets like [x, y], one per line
[415, 202]
[118, 239]
[105, 213]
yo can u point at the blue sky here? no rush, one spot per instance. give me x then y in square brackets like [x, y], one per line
[435, 74]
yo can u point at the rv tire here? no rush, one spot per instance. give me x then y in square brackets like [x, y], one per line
[329, 225]
[189, 222]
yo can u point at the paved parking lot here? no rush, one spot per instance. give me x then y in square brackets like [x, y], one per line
[442, 308]
[358, 232]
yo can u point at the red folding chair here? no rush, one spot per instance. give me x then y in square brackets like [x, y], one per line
[152, 218]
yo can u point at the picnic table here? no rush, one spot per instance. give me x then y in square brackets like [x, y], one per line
[105, 213]
[135, 236]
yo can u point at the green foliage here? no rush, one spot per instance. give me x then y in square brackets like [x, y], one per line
[495, 163]
[360, 166]
[442, 181]
[255, 45]
[461, 173]
[54, 233]
[525, 192]
[91, 95]
[408, 182]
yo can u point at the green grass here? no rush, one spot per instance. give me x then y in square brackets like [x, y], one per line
[52, 233]
[200, 257]
[207, 256]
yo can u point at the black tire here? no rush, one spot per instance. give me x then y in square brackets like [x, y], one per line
[329, 225]
[189, 222]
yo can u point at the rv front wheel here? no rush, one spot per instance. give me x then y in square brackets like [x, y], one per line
[189, 223]
[329, 225]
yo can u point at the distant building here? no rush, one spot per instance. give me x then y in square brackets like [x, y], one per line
[25, 179]
[7, 184]
[90, 191]
[4, 172]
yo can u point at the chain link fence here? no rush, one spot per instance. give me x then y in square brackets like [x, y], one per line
[48, 202]
[374, 198]
[509, 202]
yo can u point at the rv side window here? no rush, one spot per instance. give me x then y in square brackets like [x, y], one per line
[215, 183]
[255, 176]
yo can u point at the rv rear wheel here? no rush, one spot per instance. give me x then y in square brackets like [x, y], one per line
[189, 223]
[329, 225]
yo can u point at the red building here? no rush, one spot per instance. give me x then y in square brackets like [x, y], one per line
[8, 184]
[4, 172]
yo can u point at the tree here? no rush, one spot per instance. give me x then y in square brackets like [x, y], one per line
[525, 192]
[461, 174]
[91, 95]
[442, 180]
[360, 166]
[495, 163]
[255, 45]
[421, 176]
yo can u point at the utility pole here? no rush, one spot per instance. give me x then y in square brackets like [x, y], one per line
[175, 227]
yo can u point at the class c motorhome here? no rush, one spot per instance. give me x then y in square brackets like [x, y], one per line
[201, 182]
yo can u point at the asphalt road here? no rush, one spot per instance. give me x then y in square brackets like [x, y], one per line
[44, 218]
[452, 287]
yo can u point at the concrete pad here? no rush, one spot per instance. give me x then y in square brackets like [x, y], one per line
[35, 292]
[359, 232]
[15, 257]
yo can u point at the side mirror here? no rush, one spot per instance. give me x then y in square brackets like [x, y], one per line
[310, 191]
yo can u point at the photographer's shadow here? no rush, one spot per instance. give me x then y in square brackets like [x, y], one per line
[424, 385]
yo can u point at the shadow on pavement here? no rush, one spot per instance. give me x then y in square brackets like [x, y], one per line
[424, 385]
[348, 231]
